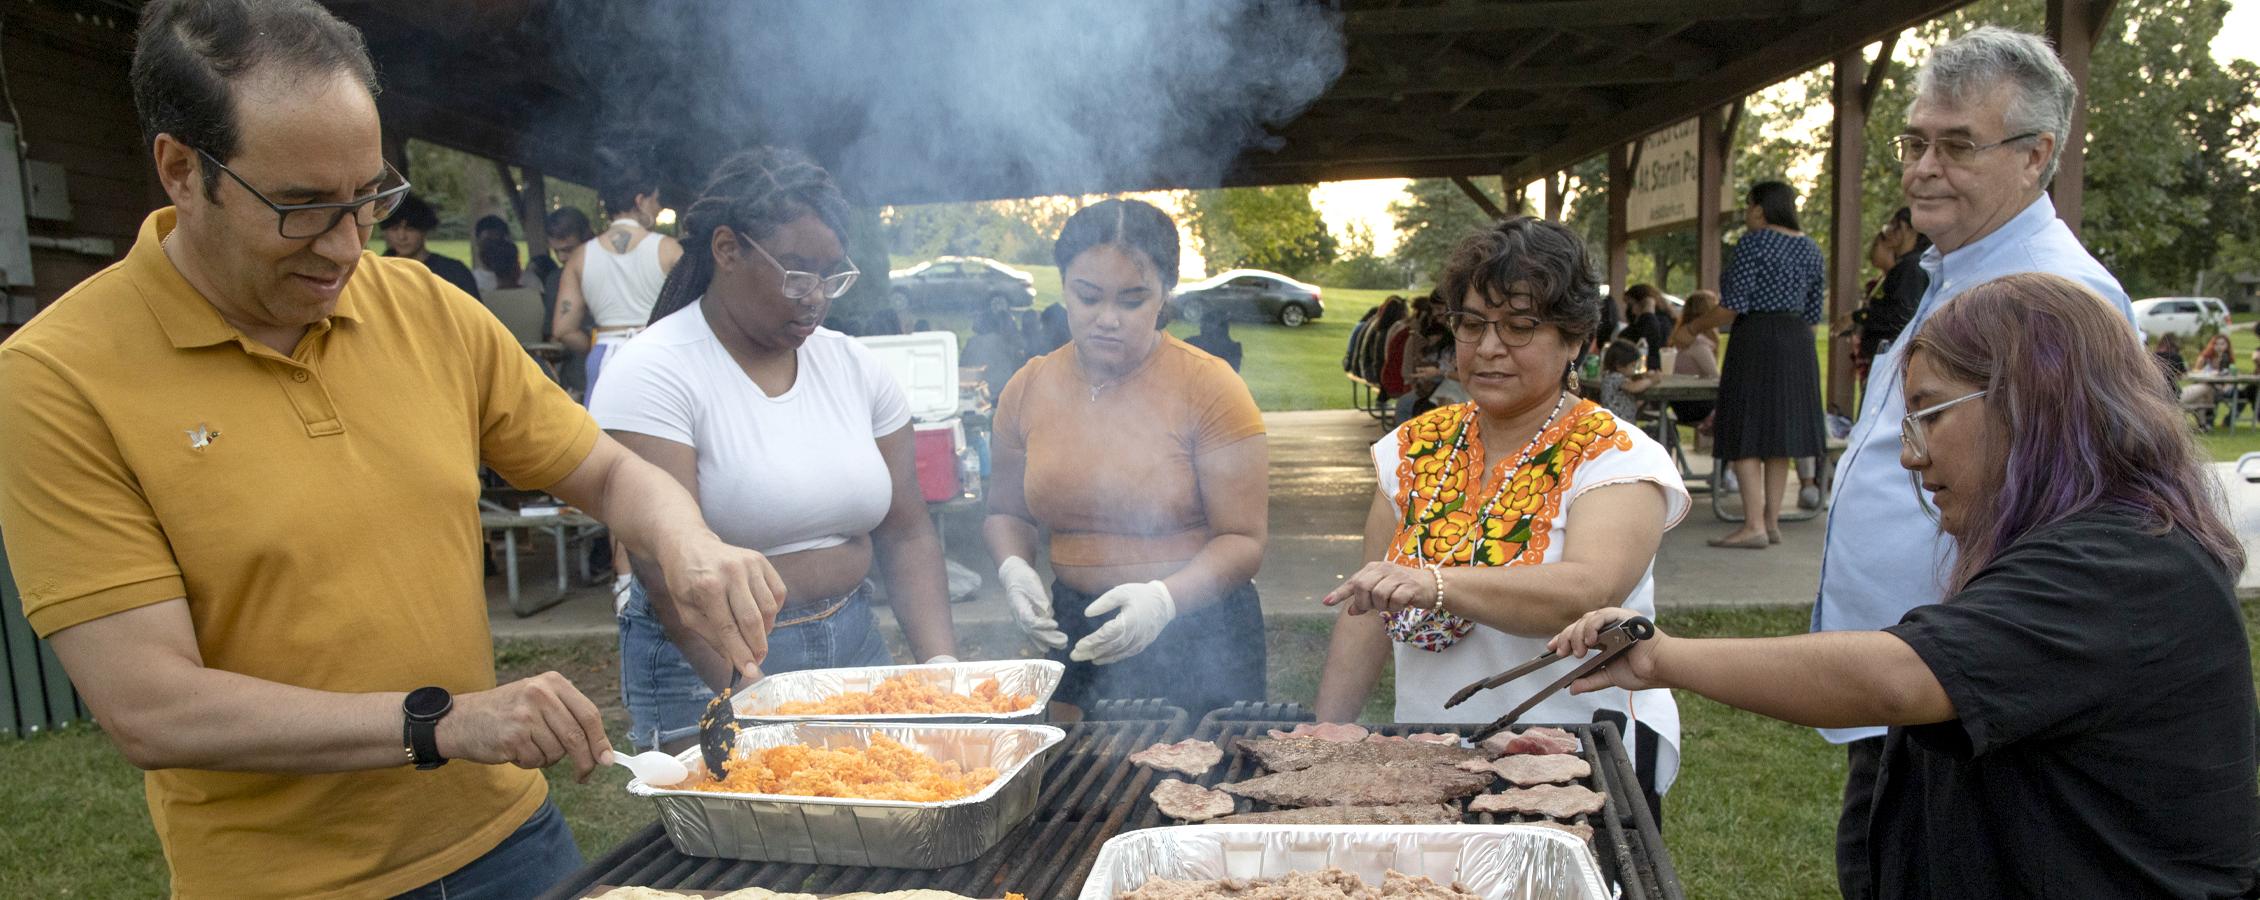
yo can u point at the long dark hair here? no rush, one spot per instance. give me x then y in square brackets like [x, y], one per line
[2058, 446]
[1777, 202]
[753, 192]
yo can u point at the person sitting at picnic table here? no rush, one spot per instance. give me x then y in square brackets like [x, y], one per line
[794, 437]
[1697, 339]
[2200, 397]
[2076, 717]
[1500, 520]
[1623, 379]
[1145, 459]
[2171, 361]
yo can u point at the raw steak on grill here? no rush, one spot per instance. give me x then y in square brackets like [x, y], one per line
[1362, 784]
[1191, 757]
[1552, 768]
[1558, 801]
[1406, 814]
[1190, 802]
[1292, 754]
[1537, 739]
[1325, 731]
[1449, 740]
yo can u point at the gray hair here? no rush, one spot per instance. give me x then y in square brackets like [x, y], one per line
[1964, 67]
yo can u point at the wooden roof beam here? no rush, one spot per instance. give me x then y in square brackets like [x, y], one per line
[1808, 46]
[1457, 79]
[1551, 14]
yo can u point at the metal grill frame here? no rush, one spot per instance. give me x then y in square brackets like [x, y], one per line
[1086, 783]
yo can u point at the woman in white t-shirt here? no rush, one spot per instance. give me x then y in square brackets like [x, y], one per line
[795, 439]
[1501, 520]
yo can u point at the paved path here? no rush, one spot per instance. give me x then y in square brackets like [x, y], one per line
[1321, 487]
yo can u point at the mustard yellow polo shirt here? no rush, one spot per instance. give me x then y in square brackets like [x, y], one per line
[319, 513]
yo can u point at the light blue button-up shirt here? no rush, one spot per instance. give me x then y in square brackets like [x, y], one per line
[1885, 555]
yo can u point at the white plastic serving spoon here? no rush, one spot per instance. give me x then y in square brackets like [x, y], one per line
[655, 767]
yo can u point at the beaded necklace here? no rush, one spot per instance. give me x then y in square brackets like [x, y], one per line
[1483, 512]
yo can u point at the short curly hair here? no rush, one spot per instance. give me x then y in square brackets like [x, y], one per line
[1548, 260]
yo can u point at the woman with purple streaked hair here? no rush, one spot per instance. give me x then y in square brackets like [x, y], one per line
[2077, 717]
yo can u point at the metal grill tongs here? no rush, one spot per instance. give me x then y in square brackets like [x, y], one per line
[718, 729]
[1618, 637]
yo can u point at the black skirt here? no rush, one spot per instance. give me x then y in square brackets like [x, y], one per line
[1770, 391]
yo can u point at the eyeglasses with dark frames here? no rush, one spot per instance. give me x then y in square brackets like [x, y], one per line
[798, 285]
[300, 221]
[1958, 151]
[1514, 331]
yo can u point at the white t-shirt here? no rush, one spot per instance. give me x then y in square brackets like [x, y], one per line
[799, 471]
[1425, 678]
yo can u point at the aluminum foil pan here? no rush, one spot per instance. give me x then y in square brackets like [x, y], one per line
[758, 702]
[841, 832]
[1497, 862]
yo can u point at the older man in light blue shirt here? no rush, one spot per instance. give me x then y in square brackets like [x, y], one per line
[1977, 154]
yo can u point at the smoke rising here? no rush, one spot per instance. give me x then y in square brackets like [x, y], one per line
[922, 101]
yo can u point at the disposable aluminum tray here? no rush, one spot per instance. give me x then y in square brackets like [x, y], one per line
[1497, 862]
[844, 832]
[759, 701]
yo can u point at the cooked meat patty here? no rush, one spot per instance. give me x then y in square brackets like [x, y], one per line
[1404, 814]
[1553, 768]
[1190, 802]
[1325, 731]
[1191, 757]
[1537, 739]
[1425, 737]
[1292, 754]
[1329, 883]
[1473, 765]
[1557, 801]
[1362, 784]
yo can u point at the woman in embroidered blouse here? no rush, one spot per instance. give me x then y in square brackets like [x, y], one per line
[1474, 560]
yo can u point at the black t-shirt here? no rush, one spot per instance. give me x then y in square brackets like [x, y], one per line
[450, 271]
[1896, 299]
[2105, 739]
[1655, 328]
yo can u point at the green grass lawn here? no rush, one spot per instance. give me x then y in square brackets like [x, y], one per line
[1752, 816]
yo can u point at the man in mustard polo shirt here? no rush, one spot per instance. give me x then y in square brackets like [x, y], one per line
[238, 485]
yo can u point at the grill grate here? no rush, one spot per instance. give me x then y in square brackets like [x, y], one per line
[1091, 793]
[1084, 802]
[1625, 838]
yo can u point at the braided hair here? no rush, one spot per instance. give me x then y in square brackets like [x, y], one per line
[754, 192]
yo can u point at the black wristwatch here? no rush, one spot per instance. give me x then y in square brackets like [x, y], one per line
[419, 735]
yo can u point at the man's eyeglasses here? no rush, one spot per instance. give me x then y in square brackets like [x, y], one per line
[1514, 331]
[1957, 151]
[798, 285]
[299, 221]
[1911, 428]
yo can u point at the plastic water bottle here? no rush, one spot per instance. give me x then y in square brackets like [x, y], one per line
[969, 473]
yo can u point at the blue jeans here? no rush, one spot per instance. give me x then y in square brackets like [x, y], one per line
[665, 697]
[539, 854]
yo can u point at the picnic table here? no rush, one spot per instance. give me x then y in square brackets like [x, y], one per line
[567, 527]
[2234, 396]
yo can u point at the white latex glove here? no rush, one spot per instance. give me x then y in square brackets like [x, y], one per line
[1145, 610]
[1031, 603]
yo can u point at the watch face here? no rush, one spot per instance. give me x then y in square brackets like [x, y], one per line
[427, 703]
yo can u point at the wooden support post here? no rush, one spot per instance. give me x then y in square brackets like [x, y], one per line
[1556, 185]
[1623, 160]
[1710, 174]
[533, 213]
[2074, 26]
[1482, 200]
[395, 151]
[1847, 159]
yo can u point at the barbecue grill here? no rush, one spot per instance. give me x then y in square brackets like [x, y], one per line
[1091, 793]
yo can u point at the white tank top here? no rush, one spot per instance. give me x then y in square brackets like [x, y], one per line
[621, 287]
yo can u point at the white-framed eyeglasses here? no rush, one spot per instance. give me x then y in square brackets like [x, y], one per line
[798, 285]
[1912, 428]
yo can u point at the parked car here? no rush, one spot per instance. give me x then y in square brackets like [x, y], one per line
[961, 282]
[2182, 316]
[1251, 295]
